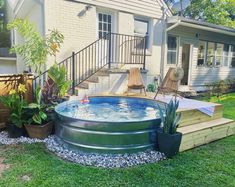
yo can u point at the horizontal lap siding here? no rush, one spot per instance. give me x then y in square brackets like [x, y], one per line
[201, 75]
[150, 8]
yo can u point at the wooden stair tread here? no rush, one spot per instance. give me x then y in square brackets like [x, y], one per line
[204, 125]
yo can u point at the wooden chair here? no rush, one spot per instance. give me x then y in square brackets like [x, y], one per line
[168, 85]
[135, 80]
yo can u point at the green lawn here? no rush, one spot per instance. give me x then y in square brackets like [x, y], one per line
[211, 165]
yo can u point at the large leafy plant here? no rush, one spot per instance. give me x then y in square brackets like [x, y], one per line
[37, 111]
[58, 75]
[16, 103]
[170, 118]
[35, 48]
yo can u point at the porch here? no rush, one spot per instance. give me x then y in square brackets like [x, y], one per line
[205, 51]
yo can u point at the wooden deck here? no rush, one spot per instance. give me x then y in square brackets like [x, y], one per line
[199, 128]
[206, 132]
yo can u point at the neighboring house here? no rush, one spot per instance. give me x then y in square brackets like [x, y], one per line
[7, 61]
[205, 51]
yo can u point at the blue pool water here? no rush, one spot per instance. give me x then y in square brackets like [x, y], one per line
[111, 109]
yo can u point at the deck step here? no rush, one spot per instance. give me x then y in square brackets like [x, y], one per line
[206, 132]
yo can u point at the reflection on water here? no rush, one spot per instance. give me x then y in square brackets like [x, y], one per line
[112, 109]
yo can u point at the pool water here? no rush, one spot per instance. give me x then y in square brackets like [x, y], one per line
[111, 109]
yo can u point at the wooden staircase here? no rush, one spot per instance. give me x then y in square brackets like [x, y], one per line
[199, 129]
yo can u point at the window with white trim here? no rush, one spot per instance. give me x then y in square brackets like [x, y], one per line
[226, 55]
[104, 24]
[141, 28]
[172, 49]
[232, 56]
[211, 54]
[201, 53]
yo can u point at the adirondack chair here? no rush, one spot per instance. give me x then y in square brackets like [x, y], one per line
[169, 84]
[135, 80]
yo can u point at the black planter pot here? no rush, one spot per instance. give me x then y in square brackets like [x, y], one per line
[169, 144]
[14, 131]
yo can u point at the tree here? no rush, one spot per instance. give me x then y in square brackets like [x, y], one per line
[4, 33]
[220, 12]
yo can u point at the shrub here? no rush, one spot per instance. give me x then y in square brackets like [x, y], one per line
[16, 103]
[151, 88]
[218, 88]
[35, 48]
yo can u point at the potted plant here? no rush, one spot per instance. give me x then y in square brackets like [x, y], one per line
[38, 124]
[168, 138]
[16, 103]
[57, 84]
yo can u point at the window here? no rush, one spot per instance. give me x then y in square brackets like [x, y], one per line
[210, 54]
[232, 56]
[219, 54]
[213, 54]
[104, 24]
[201, 53]
[172, 49]
[226, 54]
[141, 29]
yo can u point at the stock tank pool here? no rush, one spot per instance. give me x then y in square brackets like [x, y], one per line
[109, 124]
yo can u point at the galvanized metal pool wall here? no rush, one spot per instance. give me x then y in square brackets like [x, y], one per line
[107, 137]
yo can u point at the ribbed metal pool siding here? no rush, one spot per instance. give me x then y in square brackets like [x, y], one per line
[107, 137]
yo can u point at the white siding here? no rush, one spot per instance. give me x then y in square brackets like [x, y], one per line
[149, 8]
[33, 11]
[201, 75]
[7, 66]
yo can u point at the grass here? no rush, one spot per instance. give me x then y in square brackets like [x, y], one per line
[211, 165]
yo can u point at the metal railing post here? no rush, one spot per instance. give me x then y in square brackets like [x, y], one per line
[110, 43]
[145, 48]
[73, 73]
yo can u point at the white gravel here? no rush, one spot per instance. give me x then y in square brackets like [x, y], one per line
[88, 159]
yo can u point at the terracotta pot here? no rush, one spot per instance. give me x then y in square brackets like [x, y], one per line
[39, 131]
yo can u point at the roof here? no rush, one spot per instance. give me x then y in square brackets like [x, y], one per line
[201, 25]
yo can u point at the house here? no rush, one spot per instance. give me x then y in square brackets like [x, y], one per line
[7, 60]
[150, 36]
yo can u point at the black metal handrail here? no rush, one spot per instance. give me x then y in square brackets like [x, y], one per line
[112, 48]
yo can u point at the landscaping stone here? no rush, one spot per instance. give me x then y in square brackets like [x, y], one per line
[89, 159]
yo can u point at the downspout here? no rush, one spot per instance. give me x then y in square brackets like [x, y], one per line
[17, 8]
[164, 39]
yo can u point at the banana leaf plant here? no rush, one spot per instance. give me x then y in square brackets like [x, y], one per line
[170, 118]
[58, 76]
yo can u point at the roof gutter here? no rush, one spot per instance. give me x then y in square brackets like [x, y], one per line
[173, 26]
[207, 28]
